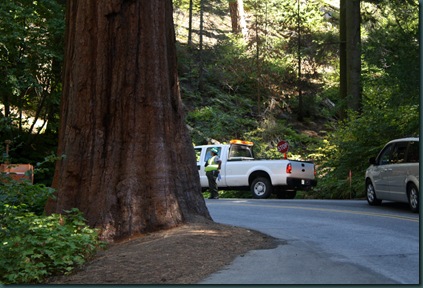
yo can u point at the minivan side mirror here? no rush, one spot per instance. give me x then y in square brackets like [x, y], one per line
[372, 161]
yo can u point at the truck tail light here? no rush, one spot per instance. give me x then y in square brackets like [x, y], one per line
[289, 168]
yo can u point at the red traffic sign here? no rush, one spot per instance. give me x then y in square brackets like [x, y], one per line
[283, 146]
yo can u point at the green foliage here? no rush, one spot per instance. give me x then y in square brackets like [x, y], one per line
[244, 83]
[256, 80]
[218, 107]
[34, 246]
[390, 110]
[231, 194]
[391, 53]
[241, 88]
[31, 43]
[31, 56]
[32, 197]
[218, 122]
[235, 194]
[267, 137]
[44, 170]
[355, 140]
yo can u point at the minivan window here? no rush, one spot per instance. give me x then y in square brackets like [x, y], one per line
[398, 154]
[385, 156]
[413, 152]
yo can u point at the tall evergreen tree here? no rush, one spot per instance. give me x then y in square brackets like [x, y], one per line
[128, 163]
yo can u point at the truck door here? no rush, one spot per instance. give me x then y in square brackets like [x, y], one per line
[199, 154]
[237, 165]
[203, 155]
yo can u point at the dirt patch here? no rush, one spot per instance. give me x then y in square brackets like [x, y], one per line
[183, 255]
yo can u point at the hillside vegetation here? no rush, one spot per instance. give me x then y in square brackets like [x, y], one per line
[278, 81]
[236, 87]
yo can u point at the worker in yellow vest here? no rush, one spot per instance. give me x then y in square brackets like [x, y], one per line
[212, 169]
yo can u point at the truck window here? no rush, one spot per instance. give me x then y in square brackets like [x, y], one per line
[197, 154]
[208, 153]
[240, 151]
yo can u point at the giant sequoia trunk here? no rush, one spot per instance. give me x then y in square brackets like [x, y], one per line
[129, 162]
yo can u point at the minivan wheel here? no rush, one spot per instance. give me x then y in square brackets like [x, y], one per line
[371, 194]
[261, 188]
[413, 197]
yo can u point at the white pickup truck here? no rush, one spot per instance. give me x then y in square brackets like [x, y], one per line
[240, 171]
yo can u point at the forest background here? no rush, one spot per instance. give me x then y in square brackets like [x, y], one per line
[277, 79]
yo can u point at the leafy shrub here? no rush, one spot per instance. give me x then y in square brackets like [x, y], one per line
[354, 141]
[235, 194]
[267, 136]
[34, 246]
[230, 194]
[17, 193]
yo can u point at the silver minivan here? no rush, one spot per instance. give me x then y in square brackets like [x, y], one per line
[394, 174]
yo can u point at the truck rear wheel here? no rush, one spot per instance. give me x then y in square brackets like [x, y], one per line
[261, 188]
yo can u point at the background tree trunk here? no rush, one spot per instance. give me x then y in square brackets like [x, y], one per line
[190, 23]
[200, 48]
[343, 59]
[233, 11]
[350, 55]
[300, 116]
[353, 20]
[129, 162]
[239, 25]
[258, 64]
[242, 21]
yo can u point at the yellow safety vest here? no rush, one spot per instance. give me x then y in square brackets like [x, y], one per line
[210, 166]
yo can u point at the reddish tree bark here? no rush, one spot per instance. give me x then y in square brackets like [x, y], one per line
[129, 163]
[236, 9]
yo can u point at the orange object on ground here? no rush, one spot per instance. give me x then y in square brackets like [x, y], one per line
[18, 171]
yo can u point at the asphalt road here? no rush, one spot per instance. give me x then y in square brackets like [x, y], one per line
[322, 242]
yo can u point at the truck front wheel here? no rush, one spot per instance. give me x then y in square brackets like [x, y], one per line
[261, 188]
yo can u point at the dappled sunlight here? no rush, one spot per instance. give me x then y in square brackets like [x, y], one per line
[181, 231]
[189, 230]
[207, 232]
